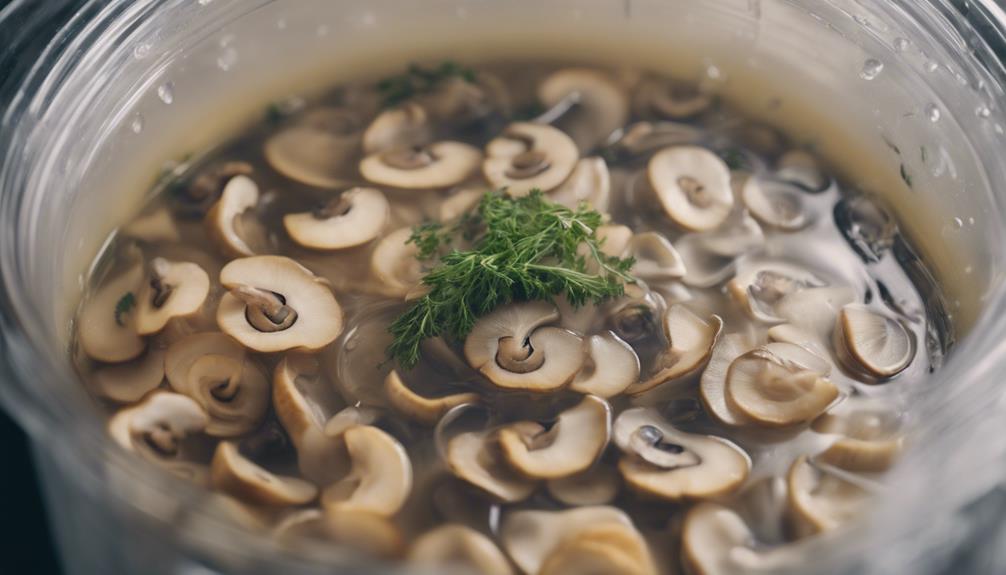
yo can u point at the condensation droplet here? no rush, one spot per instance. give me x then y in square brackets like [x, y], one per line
[983, 111]
[872, 68]
[281, 24]
[900, 44]
[321, 31]
[227, 59]
[959, 223]
[931, 66]
[971, 220]
[968, 270]
[141, 51]
[999, 129]
[204, 2]
[166, 92]
[136, 125]
[933, 113]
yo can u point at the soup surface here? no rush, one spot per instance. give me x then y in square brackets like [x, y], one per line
[525, 318]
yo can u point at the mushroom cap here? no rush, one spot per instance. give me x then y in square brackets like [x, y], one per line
[395, 265]
[612, 366]
[873, 344]
[821, 501]
[544, 158]
[590, 183]
[188, 287]
[318, 149]
[381, 476]
[738, 235]
[716, 541]
[614, 239]
[461, 547]
[668, 463]
[403, 126]
[214, 370]
[703, 267]
[690, 342]
[426, 410]
[760, 287]
[671, 100]
[363, 213]
[544, 358]
[779, 385]
[240, 195]
[572, 445]
[656, 258]
[104, 334]
[235, 474]
[319, 316]
[713, 383]
[598, 485]
[868, 438]
[601, 550]
[371, 533]
[438, 165]
[693, 186]
[474, 456]
[603, 105]
[775, 204]
[129, 382]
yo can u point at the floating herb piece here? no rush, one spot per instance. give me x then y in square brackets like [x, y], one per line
[123, 306]
[906, 176]
[418, 80]
[523, 249]
[734, 159]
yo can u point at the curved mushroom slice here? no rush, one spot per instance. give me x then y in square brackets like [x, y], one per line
[602, 105]
[381, 476]
[803, 169]
[156, 226]
[276, 304]
[319, 150]
[173, 289]
[775, 204]
[598, 485]
[614, 239]
[762, 286]
[223, 221]
[872, 344]
[529, 156]
[572, 445]
[662, 461]
[642, 138]
[713, 384]
[716, 541]
[438, 165]
[233, 473]
[461, 202]
[459, 548]
[510, 347]
[780, 384]
[738, 235]
[106, 328]
[821, 501]
[405, 126]
[656, 258]
[635, 316]
[426, 410]
[671, 100]
[704, 268]
[867, 440]
[475, 457]
[601, 550]
[299, 524]
[356, 217]
[611, 366]
[371, 533]
[129, 382]
[693, 186]
[590, 183]
[395, 265]
[690, 340]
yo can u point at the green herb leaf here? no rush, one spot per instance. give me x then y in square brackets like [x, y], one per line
[123, 306]
[522, 249]
[418, 80]
[734, 159]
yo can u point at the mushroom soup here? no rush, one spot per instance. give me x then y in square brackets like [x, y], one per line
[519, 318]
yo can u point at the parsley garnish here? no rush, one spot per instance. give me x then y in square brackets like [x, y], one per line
[418, 80]
[522, 249]
[123, 306]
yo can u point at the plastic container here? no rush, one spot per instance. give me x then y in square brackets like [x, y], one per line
[98, 95]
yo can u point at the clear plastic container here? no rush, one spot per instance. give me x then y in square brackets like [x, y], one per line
[99, 94]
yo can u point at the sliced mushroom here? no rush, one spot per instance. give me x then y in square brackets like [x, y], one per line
[690, 340]
[693, 186]
[821, 501]
[713, 384]
[457, 547]
[570, 446]
[276, 304]
[215, 371]
[590, 183]
[716, 541]
[156, 226]
[235, 474]
[598, 485]
[738, 235]
[602, 105]
[776, 204]
[803, 169]
[224, 220]
[475, 457]
[426, 410]
[438, 165]
[656, 258]
[642, 138]
[868, 437]
[173, 289]
[668, 463]
[873, 344]
[704, 268]
[671, 100]
[529, 156]
[380, 478]
[614, 239]
[106, 328]
[319, 149]
[601, 550]
[611, 366]
[355, 217]
[371, 533]
[461, 202]
[759, 288]
[510, 347]
[780, 384]
[814, 310]
[129, 382]
[404, 126]
[395, 265]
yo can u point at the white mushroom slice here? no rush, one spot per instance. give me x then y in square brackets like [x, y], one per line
[739, 235]
[157, 226]
[761, 287]
[664, 462]
[814, 310]
[642, 138]
[426, 410]
[601, 550]
[614, 239]
[350, 417]
[457, 547]
[129, 382]
[656, 258]
[589, 183]
[173, 289]
[215, 371]
[318, 150]
[395, 265]
[401, 127]
[106, 327]
[460, 203]
[775, 204]
[356, 217]
[236, 475]
[299, 524]
[438, 165]
[276, 304]
[713, 384]
[223, 221]
[511, 349]
[779, 385]
[572, 445]
[868, 438]
[602, 106]
[529, 156]
[791, 333]
[693, 185]
[672, 101]
[370, 533]
[802, 169]
[597, 486]
[871, 343]
[716, 541]
[690, 340]
[529, 537]
[611, 366]
[821, 501]
[381, 476]
[704, 268]
[474, 456]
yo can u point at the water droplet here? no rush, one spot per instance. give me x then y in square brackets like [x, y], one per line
[959, 223]
[281, 24]
[931, 66]
[166, 92]
[137, 124]
[861, 20]
[999, 129]
[227, 59]
[321, 31]
[872, 68]
[713, 72]
[226, 40]
[204, 2]
[971, 220]
[968, 269]
[900, 44]
[141, 51]
[933, 113]
[983, 111]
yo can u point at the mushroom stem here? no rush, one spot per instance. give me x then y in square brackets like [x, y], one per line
[266, 311]
[518, 357]
[159, 268]
[337, 207]
[560, 109]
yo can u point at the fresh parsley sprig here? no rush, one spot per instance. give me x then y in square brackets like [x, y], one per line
[419, 80]
[522, 249]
